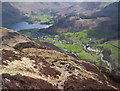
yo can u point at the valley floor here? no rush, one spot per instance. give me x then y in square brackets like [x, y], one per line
[81, 45]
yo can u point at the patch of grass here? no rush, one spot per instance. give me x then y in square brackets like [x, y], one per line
[54, 41]
[88, 56]
[40, 17]
[26, 33]
[71, 47]
[102, 35]
[78, 36]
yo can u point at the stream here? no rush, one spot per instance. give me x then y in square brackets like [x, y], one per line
[100, 53]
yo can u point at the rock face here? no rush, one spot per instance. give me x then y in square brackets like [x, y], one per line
[26, 64]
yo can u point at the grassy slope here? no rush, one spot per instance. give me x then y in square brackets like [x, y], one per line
[71, 47]
[78, 36]
[40, 17]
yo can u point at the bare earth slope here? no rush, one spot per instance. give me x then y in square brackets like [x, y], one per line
[29, 65]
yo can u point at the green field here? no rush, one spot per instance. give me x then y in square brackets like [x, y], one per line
[78, 36]
[40, 17]
[71, 47]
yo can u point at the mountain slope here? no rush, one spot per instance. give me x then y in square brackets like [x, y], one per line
[106, 11]
[10, 14]
[110, 26]
[106, 16]
[85, 8]
[29, 65]
[13, 12]
[75, 23]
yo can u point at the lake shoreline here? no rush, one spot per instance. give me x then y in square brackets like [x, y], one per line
[26, 25]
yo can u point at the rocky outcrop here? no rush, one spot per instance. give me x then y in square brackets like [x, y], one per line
[29, 65]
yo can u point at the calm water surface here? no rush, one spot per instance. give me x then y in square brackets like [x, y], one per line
[26, 25]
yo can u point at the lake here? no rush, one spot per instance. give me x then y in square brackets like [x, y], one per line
[26, 25]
